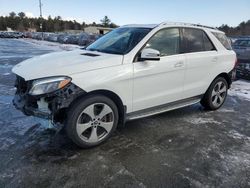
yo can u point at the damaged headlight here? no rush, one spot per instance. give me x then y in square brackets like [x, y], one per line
[48, 85]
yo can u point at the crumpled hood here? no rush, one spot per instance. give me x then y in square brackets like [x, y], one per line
[65, 64]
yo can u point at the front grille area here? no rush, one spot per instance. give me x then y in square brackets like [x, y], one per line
[23, 99]
[57, 101]
[21, 85]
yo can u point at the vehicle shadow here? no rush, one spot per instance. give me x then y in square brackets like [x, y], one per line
[46, 145]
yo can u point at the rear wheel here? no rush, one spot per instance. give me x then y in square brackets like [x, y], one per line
[91, 121]
[216, 94]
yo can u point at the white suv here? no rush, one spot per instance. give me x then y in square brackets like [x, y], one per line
[132, 72]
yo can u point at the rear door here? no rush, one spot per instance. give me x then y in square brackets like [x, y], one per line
[201, 59]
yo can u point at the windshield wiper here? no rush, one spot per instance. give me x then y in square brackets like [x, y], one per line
[94, 50]
[104, 51]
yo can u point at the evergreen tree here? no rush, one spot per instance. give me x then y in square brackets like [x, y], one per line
[21, 15]
[105, 21]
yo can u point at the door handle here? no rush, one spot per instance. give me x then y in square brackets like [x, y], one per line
[215, 59]
[179, 64]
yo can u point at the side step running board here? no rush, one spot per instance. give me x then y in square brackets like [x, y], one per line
[163, 108]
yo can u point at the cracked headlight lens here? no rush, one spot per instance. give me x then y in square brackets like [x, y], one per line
[48, 85]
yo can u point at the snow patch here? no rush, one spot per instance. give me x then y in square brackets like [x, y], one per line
[240, 89]
[5, 175]
[236, 160]
[6, 143]
[155, 150]
[124, 172]
[6, 66]
[226, 110]
[236, 135]
[198, 121]
[8, 57]
[6, 74]
[52, 45]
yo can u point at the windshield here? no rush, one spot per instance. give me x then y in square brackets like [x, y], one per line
[119, 41]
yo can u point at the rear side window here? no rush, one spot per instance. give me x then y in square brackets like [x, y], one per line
[193, 40]
[196, 40]
[223, 39]
[208, 45]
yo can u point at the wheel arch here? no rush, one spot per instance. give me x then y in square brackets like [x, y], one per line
[205, 101]
[224, 75]
[117, 100]
[227, 78]
[111, 95]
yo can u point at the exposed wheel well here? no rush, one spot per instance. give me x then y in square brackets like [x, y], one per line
[224, 75]
[227, 78]
[61, 114]
[117, 100]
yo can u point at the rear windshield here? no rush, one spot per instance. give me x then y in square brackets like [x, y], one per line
[243, 43]
[223, 39]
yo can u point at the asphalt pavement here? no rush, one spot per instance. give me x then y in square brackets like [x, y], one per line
[188, 147]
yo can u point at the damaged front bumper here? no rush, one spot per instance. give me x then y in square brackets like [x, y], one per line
[24, 104]
[46, 106]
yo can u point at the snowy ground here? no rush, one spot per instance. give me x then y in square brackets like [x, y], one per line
[54, 46]
[188, 147]
[241, 89]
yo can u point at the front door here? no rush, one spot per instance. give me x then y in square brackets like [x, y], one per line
[160, 82]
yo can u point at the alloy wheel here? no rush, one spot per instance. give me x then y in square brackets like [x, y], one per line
[95, 122]
[219, 94]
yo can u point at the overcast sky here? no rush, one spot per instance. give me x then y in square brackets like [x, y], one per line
[209, 12]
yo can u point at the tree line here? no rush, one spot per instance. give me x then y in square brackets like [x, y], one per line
[242, 29]
[20, 22]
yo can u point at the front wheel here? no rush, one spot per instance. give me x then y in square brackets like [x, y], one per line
[216, 94]
[91, 121]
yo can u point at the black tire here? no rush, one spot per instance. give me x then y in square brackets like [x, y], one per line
[208, 100]
[75, 112]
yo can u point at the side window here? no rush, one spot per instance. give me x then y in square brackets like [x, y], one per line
[196, 40]
[208, 45]
[167, 41]
[223, 39]
[193, 40]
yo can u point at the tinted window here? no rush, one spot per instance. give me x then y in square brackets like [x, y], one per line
[193, 40]
[223, 39]
[196, 40]
[166, 41]
[208, 45]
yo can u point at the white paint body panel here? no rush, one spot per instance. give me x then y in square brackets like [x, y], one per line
[118, 79]
[158, 82]
[140, 85]
[64, 63]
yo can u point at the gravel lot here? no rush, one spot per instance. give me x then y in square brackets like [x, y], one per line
[188, 147]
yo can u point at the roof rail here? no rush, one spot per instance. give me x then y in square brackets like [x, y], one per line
[186, 24]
